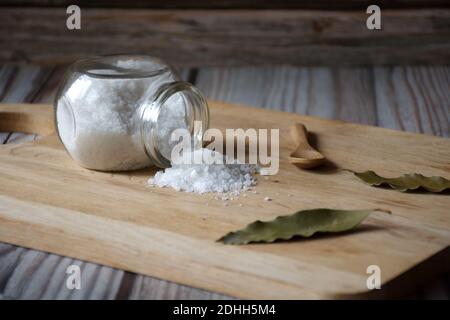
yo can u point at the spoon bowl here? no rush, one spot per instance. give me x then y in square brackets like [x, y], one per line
[304, 156]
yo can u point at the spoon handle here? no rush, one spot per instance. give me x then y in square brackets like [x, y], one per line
[299, 134]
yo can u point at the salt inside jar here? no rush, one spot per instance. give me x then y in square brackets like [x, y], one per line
[118, 112]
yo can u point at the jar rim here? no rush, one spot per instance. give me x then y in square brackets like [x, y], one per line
[150, 110]
[105, 67]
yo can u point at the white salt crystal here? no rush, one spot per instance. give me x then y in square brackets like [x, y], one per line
[202, 178]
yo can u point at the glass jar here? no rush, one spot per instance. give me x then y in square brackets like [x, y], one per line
[118, 112]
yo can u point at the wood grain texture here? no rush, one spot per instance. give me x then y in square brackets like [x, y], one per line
[100, 282]
[31, 274]
[228, 37]
[233, 4]
[3, 137]
[356, 85]
[150, 288]
[340, 93]
[5, 74]
[415, 99]
[21, 85]
[347, 94]
[363, 95]
[396, 243]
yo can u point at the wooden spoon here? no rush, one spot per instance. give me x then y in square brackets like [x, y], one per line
[305, 156]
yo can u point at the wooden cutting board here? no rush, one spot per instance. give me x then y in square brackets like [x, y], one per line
[48, 202]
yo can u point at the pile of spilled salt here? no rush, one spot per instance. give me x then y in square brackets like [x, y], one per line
[203, 178]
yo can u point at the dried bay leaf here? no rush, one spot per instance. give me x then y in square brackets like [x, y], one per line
[303, 223]
[410, 181]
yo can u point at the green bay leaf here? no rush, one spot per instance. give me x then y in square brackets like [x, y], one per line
[406, 182]
[302, 223]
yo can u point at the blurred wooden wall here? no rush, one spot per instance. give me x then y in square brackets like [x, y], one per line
[229, 32]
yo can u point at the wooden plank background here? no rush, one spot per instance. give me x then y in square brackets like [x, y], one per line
[411, 98]
[227, 4]
[199, 38]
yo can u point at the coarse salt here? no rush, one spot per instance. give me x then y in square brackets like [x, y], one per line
[222, 177]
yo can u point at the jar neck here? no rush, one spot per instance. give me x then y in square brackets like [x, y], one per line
[175, 105]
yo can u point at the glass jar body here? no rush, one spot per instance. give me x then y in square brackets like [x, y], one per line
[116, 113]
